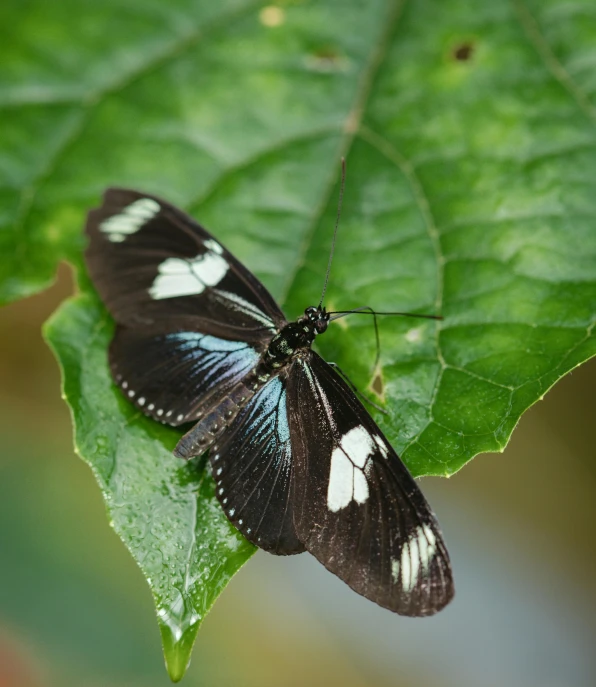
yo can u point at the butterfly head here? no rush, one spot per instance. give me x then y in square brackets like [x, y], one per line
[318, 317]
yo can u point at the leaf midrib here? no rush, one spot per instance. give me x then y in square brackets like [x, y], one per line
[350, 129]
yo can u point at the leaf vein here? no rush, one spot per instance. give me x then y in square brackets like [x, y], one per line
[554, 66]
[388, 150]
[352, 124]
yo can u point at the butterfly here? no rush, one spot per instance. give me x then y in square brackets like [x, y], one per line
[299, 463]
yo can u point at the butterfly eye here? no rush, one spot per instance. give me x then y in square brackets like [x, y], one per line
[312, 313]
[321, 326]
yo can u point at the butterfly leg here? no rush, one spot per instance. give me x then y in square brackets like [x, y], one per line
[377, 339]
[368, 309]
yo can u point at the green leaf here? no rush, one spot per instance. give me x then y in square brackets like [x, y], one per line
[164, 511]
[469, 131]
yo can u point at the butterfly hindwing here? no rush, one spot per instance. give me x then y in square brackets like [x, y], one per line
[252, 468]
[151, 262]
[358, 510]
[172, 376]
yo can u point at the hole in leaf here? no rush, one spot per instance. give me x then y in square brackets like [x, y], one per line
[377, 385]
[463, 51]
[327, 53]
[326, 59]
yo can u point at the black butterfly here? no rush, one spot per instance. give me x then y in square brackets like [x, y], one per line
[299, 464]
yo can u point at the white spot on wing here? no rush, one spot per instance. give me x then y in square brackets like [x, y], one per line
[360, 487]
[341, 481]
[318, 392]
[406, 568]
[414, 565]
[416, 557]
[239, 304]
[394, 570]
[350, 462]
[130, 220]
[212, 245]
[357, 444]
[382, 446]
[427, 543]
[179, 277]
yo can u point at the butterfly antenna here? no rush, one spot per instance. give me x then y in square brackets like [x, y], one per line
[366, 310]
[341, 198]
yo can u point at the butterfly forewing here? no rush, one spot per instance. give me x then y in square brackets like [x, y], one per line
[252, 467]
[358, 510]
[151, 262]
[192, 319]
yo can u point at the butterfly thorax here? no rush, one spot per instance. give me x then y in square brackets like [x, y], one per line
[219, 411]
[295, 337]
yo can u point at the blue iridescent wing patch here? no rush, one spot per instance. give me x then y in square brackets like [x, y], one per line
[173, 376]
[252, 468]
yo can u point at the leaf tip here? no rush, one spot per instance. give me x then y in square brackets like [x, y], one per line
[177, 649]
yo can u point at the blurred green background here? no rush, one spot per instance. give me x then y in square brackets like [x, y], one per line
[75, 610]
